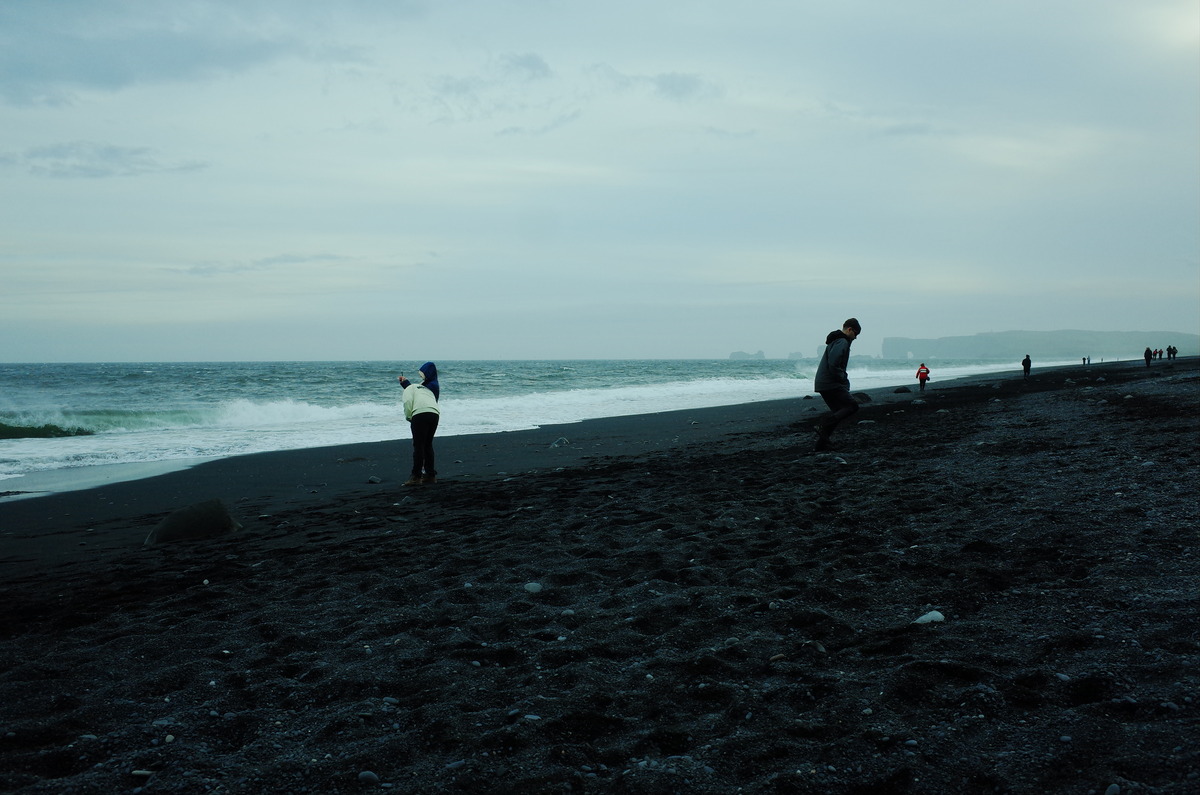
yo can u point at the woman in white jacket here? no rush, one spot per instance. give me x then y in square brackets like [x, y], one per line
[422, 412]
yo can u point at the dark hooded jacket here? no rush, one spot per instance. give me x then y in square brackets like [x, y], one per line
[831, 372]
[431, 378]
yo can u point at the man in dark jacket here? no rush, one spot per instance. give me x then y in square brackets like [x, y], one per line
[832, 382]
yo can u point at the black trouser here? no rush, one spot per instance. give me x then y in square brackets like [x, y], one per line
[842, 406]
[424, 426]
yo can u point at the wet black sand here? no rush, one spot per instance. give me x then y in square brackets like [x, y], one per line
[682, 602]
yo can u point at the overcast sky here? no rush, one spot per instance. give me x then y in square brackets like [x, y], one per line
[401, 179]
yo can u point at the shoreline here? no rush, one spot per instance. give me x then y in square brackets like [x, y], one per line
[50, 482]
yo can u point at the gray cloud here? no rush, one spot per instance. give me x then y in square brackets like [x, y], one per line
[90, 160]
[528, 66]
[299, 259]
[276, 262]
[49, 53]
[681, 87]
[554, 124]
[674, 86]
[513, 82]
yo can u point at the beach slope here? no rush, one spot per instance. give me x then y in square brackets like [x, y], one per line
[690, 602]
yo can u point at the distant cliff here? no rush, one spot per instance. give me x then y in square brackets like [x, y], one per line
[744, 355]
[1041, 345]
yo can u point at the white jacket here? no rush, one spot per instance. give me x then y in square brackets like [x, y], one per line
[418, 399]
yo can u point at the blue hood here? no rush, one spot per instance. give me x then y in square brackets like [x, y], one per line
[431, 378]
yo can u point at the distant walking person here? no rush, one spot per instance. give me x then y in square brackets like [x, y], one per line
[922, 375]
[1026, 363]
[422, 412]
[1148, 355]
[832, 383]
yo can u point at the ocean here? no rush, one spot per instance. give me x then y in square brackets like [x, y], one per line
[56, 417]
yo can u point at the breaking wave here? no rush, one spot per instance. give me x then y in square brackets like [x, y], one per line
[47, 431]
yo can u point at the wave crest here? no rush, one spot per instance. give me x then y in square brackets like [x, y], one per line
[47, 431]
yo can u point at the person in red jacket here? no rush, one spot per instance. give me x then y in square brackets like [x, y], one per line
[922, 375]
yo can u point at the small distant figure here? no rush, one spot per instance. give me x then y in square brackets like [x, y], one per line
[1089, 360]
[1026, 363]
[1085, 360]
[1148, 355]
[422, 412]
[1172, 352]
[832, 383]
[922, 375]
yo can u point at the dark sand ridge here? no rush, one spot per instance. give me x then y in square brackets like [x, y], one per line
[719, 609]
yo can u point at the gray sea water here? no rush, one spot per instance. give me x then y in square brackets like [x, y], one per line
[61, 416]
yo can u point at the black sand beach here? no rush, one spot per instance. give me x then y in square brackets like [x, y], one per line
[687, 602]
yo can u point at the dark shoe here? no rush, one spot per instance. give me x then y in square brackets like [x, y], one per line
[428, 479]
[822, 444]
[414, 481]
